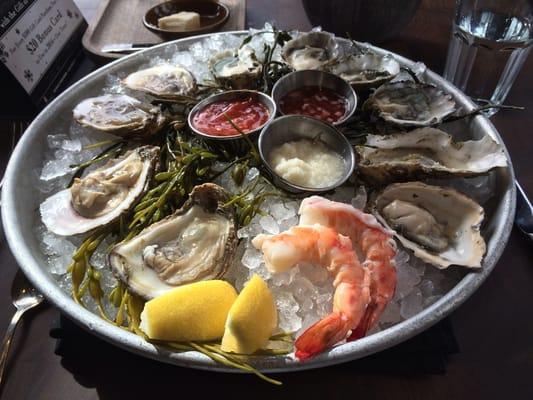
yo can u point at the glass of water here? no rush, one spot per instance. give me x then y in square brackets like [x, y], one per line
[490, 42]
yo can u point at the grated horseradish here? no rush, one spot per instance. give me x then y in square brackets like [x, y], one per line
[307, 163]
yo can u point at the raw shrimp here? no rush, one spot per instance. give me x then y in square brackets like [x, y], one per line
[374, 241]
[323, 246]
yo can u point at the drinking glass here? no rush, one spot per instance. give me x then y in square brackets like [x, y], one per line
[490, 42]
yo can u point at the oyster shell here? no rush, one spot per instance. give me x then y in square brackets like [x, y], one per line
[426, 152]
[164, 82]
[195, 243]
[120, 115]
[439, 224]
[410, 103]
[311, 50]
[102, 196]
[366, 70]
[236, 70]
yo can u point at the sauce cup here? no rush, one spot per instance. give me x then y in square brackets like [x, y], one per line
[295, 127]
[235, 143]
[299, 79]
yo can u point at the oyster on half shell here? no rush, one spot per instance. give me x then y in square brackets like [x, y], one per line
[440, 225]
[410, 103]
[425, 152]
[102, 196]
[311, 50]
[195, 243]
[364, 71]
[164, 82]
[120, 115]
[236, 70]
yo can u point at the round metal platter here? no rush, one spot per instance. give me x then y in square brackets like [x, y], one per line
[20, 215]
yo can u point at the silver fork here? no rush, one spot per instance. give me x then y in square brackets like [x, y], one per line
[23, 294]
[24, 297]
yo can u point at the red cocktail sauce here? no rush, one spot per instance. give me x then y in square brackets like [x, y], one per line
[247, 112]
[315, 101]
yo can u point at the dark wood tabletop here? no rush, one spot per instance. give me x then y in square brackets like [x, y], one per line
[494, 328]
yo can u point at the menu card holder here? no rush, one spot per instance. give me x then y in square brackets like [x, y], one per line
[40, 42]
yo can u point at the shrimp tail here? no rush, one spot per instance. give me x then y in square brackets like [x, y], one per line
[372, 315]
[321, 335]
[365, 324]
[383, 289]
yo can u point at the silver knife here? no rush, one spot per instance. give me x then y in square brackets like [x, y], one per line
[524, 212]
[125, 47]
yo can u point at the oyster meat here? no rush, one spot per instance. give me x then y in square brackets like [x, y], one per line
[311, 50]
[120, 115]
[426, 152]
[236, 70]
[440, 225]
[410, 103]
[102, 196]
[364, 71]
[164, 82]
[195, 243]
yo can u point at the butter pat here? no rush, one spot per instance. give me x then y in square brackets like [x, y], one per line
[182, 21]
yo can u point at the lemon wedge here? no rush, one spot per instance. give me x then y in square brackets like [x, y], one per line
[196, 311]
[251, 319]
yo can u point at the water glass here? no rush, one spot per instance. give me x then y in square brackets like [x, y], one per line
[490, 42]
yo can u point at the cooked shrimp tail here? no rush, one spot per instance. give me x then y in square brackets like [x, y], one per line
[364, 324]
[322, 335]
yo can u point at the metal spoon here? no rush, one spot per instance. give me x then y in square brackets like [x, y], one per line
[24, 297]
[524, 212]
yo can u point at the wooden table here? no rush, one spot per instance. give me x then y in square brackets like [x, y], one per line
[494, 327]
